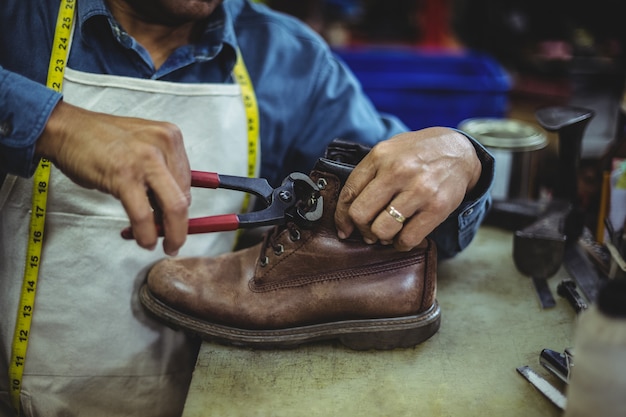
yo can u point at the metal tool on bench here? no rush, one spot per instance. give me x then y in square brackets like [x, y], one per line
[559, 364]
[543, 386]
[540, 248]
[296, 199]
[567, 290]
[538, 253]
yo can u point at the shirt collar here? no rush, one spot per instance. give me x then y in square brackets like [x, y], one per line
[218, 34]
[86, 9]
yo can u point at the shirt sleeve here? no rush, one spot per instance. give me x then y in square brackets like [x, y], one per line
[459, 229]
[25, 107]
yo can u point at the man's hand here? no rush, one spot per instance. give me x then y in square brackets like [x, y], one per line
[423, 175]
[130, 159]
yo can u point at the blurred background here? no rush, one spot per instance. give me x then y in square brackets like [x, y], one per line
[553, 51]
[440, 62]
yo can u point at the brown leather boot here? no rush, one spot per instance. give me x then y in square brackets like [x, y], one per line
[302, 285]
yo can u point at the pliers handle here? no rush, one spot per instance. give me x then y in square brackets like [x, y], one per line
[297, 198]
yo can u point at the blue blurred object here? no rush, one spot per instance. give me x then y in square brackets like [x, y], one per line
[348, 9]
[430, 88]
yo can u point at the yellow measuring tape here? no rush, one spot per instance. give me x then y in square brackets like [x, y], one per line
[252, 117]
[56, 70]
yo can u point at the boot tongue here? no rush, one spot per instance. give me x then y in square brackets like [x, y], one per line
[346, 151]
[341, 169]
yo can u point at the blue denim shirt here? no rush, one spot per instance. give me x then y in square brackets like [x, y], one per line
[307, 97]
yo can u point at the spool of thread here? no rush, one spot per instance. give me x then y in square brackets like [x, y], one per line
[598, 378]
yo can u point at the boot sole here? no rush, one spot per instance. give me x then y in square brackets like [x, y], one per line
[381, 334]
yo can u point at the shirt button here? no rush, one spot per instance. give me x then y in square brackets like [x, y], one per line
[468, 212]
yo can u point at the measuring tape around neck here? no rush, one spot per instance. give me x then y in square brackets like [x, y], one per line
[56, 69]
[252, 117]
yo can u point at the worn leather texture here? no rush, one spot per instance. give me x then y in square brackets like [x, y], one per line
[299, 277]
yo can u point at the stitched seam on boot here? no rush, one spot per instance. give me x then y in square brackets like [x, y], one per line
[353, 273]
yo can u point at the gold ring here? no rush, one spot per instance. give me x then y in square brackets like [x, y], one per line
[397, 216]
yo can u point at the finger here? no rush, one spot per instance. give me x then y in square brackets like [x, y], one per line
[174, 205]
[369, 206]
[140, 214]
[415, 230]
[358, 179]
[176, 159]
[390, 221]
[181, 173]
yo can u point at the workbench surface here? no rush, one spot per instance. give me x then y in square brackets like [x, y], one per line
[492, 323]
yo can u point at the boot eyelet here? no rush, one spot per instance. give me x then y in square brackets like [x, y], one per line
[294, 235]
[322, 183]
[278, 250]
[264, 261]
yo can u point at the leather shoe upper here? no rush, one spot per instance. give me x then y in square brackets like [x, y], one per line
[300, 276]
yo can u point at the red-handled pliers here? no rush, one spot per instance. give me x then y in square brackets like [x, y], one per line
[297, 199]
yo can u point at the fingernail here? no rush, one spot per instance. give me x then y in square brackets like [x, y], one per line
[341, 234]
[369, 241]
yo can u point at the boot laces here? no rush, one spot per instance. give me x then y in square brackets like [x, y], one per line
[272, 241]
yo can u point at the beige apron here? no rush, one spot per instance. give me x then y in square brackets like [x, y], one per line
[93, 351]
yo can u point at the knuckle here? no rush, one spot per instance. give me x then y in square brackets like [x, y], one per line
[439, 207]
[171, 133]
[162, 139]
[381, 149]
[427, 189]
[358, 215]
[405, 243]
[151, 154]
[347, 195]
[144, 217]
[178, 206]
[383, 233]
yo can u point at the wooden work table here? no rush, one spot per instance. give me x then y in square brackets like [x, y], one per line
[492, 323]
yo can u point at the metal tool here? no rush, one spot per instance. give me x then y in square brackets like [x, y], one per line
[543, 386]
[540, 248]
[538, 253]
[296, 199]
[570, 123]
[567, 290]
[581, 269]
[559, 364]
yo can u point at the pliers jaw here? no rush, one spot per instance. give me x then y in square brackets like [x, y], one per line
[309, 204]
[297, 199]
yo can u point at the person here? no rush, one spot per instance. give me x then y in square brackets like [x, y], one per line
[148, 95]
